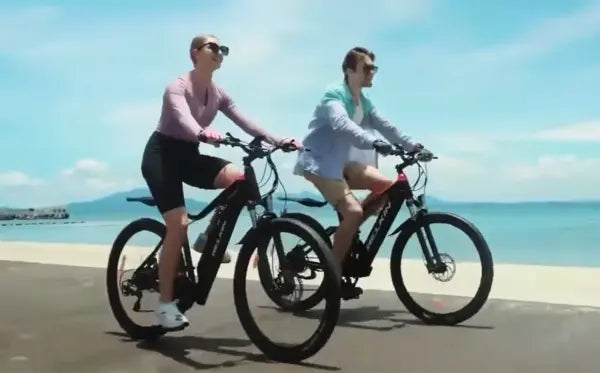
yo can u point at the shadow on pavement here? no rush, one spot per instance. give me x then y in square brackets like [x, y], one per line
[353, 317]
[177, 348]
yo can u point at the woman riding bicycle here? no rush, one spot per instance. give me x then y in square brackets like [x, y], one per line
[171, 157]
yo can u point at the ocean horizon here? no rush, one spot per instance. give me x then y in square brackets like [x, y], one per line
[541, 233]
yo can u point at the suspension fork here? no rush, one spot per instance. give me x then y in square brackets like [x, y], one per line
[434, 262]
[276, 237]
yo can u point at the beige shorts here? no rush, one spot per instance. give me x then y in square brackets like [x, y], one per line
[334, 190]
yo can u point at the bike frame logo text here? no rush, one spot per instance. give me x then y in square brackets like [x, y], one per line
[378, 224]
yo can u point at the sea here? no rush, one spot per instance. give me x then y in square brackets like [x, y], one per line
[543, 233]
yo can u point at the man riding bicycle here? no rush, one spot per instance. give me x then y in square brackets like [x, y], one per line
[342, 154]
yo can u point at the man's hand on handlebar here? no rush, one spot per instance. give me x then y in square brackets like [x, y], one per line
[421, 153]
[418, 151]
[424, 155]
[382, 147]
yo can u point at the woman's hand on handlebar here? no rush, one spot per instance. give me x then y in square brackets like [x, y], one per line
[210, 136]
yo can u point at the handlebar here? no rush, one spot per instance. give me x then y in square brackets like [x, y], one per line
[255, 150]
[409, 158]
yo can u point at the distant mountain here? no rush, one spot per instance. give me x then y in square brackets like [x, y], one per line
[116, 203]
[318, 197]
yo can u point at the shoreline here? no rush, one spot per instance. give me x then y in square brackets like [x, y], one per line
[520, 282]
[234, 247]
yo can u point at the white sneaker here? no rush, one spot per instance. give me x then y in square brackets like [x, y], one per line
[169, 316]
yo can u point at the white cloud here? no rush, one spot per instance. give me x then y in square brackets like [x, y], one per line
[87, 179]
[553, 177]
[86, 167]
[555, 167]
[583, 131]
[549, 177]
[95, 175]
[18, 179]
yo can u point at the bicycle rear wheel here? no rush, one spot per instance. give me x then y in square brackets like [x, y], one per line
[273, 229]
[145, 277]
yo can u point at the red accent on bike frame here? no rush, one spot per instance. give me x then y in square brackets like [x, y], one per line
[401, 176]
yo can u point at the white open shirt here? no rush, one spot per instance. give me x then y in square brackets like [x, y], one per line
[364, 156]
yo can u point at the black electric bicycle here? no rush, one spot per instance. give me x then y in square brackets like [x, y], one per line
[190, 287]
[360, 257]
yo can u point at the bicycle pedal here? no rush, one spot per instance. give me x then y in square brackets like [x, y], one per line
[355, 293]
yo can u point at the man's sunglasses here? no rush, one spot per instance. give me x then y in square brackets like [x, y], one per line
[368, 68]
[215, 48]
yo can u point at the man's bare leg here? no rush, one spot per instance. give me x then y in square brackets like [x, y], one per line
[364, 177]
[352, 215]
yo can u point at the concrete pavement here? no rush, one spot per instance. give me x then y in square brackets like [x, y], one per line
[57, 319]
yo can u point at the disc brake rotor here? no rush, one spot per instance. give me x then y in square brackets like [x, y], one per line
[449, 268]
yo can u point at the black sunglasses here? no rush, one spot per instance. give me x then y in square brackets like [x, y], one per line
[369, 68]
[216, 48]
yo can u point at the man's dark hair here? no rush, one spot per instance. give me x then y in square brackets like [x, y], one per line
[351, 58]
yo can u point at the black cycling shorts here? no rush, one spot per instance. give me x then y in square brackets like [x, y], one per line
[167, 163]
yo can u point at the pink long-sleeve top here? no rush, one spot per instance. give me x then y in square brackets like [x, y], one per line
[186, 113]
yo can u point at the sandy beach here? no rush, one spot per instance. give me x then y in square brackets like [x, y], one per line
[578, 286]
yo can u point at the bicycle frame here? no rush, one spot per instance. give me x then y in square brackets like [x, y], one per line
[242, 193]
[398, 193]
[395, 196]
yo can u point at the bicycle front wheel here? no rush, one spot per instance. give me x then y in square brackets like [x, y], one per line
[274, 230]
[481, 266]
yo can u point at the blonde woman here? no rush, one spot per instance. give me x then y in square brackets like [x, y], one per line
[171, 157]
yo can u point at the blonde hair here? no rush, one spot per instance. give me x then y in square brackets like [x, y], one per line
[198, 41]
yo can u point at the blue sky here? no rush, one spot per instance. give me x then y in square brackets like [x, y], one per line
[505, 92]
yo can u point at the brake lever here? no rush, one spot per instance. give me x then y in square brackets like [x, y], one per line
[231, 137]
[257, 141]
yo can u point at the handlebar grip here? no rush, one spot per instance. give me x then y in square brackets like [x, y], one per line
[382, 147]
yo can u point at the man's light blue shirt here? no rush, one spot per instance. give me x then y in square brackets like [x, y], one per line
[332, 133]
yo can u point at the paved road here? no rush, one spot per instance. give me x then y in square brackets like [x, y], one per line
[56, 319]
